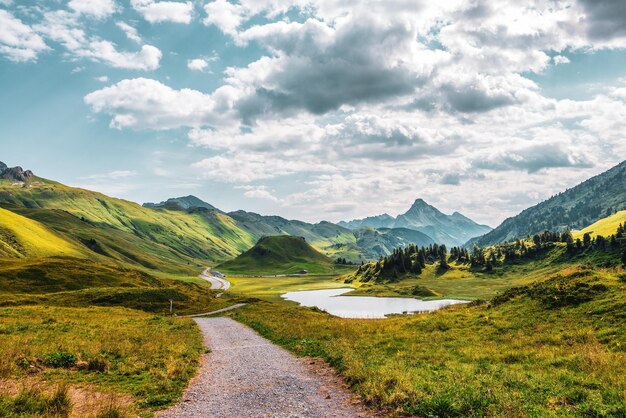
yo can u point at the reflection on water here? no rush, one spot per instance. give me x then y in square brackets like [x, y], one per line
[364, 306]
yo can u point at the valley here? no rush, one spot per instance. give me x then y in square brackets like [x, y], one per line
[95, 294]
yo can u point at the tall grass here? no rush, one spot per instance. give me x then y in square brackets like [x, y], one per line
[149, 358]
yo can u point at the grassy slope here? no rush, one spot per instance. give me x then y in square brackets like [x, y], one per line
[181, 236]
[23, 237]
[148, 358]
[280, 254]
[82, 283]
[553, 349]
[605, 226]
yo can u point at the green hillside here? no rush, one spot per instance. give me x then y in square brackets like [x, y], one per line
[64, 281]
[575, 208]
[281, 254]
[605, 227]
[23, 237]
[126, 232]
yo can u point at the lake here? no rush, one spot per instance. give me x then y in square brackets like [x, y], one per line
[331, 301]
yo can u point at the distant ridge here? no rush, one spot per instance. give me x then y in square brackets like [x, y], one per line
[451, 230]
[182, 203]
[575, 208]
[282, 254]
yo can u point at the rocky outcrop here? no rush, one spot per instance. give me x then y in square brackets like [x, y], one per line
[14, 173]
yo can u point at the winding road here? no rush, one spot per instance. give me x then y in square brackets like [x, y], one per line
[216, 280]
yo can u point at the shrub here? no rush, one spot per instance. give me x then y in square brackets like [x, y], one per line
[98, 364]
[60, 359]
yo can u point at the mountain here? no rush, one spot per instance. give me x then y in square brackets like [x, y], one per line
[333, 240]
[281, 254]
[380, 221]
[451, 230]
[172, 236]
[124, 233]
[575, 208]
[182, 203]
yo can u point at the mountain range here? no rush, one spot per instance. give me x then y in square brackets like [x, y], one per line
[173, 235]
[451, 230]
[179, 233]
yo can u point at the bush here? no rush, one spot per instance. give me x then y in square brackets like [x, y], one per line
[60, 359]
[98, 364]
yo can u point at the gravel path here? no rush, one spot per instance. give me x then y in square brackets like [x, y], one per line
[247, 376]
[229, 308]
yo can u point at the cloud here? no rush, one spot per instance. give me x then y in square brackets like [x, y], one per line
[98, 9]
[140, 103]
[390, 99]
[130, 32]
[560, 59]
[534, 158]
[66, 28]
[318, 68]
[18, 41]
[147, 59]
[259, 192]
[111, 175]
[197, 64]
[164, 11]
[605, 19]
[225, 15]
[102, 79]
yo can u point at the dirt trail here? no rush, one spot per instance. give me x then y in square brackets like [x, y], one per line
[245, 375]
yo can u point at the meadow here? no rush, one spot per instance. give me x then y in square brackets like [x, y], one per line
[556, 348]
[98, 362]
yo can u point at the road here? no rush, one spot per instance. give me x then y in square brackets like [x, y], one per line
[217, 283]
[245, 375]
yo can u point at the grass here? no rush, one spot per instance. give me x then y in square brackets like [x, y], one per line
[282, 254]
[125, 231]
[23, 237]
[83, 283]
[523, 356]
[33, 401]
[605, 227]
[270, 288]
[114, 350]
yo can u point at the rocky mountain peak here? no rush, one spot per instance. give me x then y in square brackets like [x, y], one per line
[14, 173]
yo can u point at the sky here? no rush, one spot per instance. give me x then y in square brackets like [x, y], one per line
[316, 110]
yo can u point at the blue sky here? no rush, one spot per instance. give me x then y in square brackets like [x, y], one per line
[316, 109]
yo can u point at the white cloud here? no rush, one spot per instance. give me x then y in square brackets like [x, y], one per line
[130, 32]
[147, 59]
[65, 28]
[560, 59]
[18, 41]
[140, 103]
[225, 15]
[260, 192]
[164, 11]
[198, 64]
[111, 175]
[98, 9]
[102, 79]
